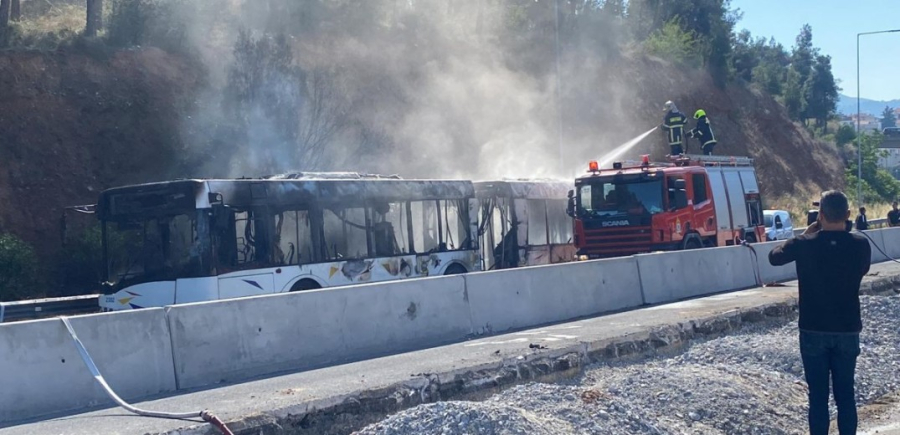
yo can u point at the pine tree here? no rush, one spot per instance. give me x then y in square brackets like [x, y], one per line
[821, 92]
[802, 60]
[793, 95]
[888, 119]
[94, 17]
[4, 18]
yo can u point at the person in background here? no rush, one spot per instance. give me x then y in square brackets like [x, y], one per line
[893, 217]
[862, 223]
[703, 133]
[831, 264]
[673, 124]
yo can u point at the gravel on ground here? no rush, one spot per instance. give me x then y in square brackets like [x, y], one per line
[749, 382]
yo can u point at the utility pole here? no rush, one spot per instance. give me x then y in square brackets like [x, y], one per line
[559, 123]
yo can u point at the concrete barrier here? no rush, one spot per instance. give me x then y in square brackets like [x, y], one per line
[41, 371]
[769, 273]
[237, 339]
[891, 239]
[519, 298]
[154, 351]
[876, 240]
[672, 276]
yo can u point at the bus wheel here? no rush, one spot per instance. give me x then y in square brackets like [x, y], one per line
[692, 243]
[455, 269]
[305, 284]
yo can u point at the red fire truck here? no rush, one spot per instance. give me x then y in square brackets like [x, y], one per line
[690, 202]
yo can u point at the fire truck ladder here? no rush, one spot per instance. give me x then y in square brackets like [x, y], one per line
[704, 160]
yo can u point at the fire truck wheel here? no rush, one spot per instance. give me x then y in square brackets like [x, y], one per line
[692, 243]
[305, 284]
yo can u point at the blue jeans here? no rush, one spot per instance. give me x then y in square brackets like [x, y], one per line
[830, 355]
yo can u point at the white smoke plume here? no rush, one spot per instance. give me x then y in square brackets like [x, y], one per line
[421, 88]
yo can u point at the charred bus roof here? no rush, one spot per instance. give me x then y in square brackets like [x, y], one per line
[180, 196]
[523, 188]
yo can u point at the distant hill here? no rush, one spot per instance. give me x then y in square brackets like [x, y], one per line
[847, 105]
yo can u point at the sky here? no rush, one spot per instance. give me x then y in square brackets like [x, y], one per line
[835, 24]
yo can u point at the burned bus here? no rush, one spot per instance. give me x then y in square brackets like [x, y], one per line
[199, 240]
[523, 222]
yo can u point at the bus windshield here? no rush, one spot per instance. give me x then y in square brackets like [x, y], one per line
[617, 198]
[158, 248]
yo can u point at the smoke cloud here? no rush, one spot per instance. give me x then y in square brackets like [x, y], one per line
[420, 88]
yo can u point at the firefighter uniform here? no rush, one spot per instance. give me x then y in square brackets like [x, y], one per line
[673, 124]
[703, 133]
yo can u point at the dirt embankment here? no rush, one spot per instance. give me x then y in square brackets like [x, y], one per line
[746, 122]
[72, 125]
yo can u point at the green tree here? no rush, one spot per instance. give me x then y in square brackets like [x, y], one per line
[821, 92]
[94, 17]
[793, 95]
[4, 18]
[803, 58]
[674, 43]
[745, 57]
[615, 8]
[710, 21]
[804, 53]
[82, 263]
[878, 183]
[18, 269]
[888, 119]
[844, 135]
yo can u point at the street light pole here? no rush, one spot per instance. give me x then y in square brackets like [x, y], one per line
[859, 198]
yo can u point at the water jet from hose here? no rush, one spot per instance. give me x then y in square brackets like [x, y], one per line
[621, 149]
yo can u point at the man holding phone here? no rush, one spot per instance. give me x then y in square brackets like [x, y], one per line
[831, 263]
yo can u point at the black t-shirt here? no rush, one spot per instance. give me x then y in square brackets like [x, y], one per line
[830, 267]
[894, 217]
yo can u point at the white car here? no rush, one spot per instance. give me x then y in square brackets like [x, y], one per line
[778, 225]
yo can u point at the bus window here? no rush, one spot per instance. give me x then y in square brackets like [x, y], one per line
[560, 223]
[425, 226]
[160, 248]
[389, 229]
[254, 232]
[536, 211]
[345, 233]
[243, 235]
[293, 241]
[454, 215]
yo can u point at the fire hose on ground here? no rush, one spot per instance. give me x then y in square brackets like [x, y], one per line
[89, 362]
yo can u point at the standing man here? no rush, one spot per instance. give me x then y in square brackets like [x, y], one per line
[703, 133]
[893, 216]
[862, 223]
[673, 124]
[831, 263]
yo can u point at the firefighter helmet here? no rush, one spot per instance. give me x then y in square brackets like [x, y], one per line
[669, 106]
[699, 113]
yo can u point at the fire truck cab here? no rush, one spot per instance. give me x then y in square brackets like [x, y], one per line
[690, 202]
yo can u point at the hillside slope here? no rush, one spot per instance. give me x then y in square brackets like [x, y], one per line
[73, 125]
